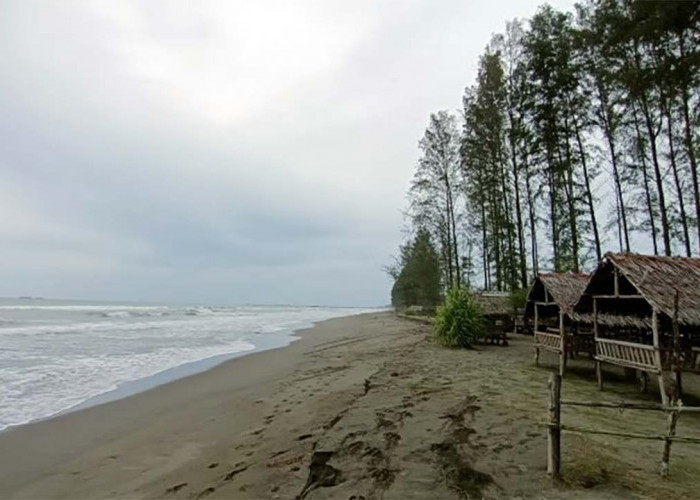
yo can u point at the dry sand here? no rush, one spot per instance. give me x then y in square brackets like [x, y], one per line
[361, 407]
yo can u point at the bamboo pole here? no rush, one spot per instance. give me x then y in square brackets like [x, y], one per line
[670, 434]
[621, 405]
[657, 355]
[631, 435]
[554, 434]
[676, 363]
[562, 341]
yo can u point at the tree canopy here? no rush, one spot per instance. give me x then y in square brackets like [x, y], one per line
[579, 135]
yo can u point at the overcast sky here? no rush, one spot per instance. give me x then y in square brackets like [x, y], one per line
[221, 152]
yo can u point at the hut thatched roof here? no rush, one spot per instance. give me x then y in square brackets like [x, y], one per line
[656, 279]
[565, 289]
[494, 303]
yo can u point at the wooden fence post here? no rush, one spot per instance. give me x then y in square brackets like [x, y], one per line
[554, 434]
[670, 433]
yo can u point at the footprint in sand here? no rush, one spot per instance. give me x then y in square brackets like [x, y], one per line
[176, 488]
[234, 473]
[213, 465]
[205, 493]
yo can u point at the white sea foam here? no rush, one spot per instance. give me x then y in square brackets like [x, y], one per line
[57, 355]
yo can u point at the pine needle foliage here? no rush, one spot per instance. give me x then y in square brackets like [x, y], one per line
[460, 321]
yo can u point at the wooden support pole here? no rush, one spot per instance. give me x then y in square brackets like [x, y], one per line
[554, 431]
[598, 367]
[562, 341]
[643, 379]
[537, 323]
[657, 355]
[676, 361]
[670, 433]
[617, 282]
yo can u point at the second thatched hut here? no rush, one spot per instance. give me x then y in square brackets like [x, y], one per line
[549, 310]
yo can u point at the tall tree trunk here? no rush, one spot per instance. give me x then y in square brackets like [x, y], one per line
[518, 210]
[676, 178]
[570, 198]
[533, 218]
[610, 138]
[645, 175]
[665, 226]
[690, 150]
[553, 216]
[510, 236]
[453, 224]
[589, 194]
[485, 247]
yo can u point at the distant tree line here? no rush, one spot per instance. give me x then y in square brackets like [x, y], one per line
[580, 134]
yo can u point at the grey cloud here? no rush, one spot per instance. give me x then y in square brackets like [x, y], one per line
[149, 152]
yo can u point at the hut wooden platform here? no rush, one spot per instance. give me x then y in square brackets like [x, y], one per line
[498, 316]
[645, 312]
[550, 304]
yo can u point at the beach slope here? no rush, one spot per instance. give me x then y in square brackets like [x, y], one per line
[361, 407]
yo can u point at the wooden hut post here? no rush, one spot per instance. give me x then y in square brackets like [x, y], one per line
[676, 361]
[537, 324]
[554, 432]
[657, 355]
[598, 367]
[562, 340]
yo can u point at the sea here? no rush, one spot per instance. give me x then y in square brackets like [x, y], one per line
[58, 355]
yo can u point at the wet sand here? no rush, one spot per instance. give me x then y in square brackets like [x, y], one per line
[361, 407]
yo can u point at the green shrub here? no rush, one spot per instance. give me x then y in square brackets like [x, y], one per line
[518, 298]
[460, 321]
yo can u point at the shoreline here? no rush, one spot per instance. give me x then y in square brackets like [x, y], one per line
[372, 402]
[128, 388]
[42, 429]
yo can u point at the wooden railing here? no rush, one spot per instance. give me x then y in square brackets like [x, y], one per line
[548, 341]
[629, 354]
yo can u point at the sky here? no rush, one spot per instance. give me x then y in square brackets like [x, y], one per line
[221, 152]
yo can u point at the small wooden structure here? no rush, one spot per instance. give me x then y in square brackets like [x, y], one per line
[550, 304]
[645, 312]
[498, 316]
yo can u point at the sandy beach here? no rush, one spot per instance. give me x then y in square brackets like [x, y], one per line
[361, 407]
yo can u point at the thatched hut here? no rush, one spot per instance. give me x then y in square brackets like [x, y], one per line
[498, 313]
[645, 312]
[549, 307]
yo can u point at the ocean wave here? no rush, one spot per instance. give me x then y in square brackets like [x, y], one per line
[200, 311]
[43, 390]
[135, 314]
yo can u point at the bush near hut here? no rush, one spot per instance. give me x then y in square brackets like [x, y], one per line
[518, 298]
[460, 321]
